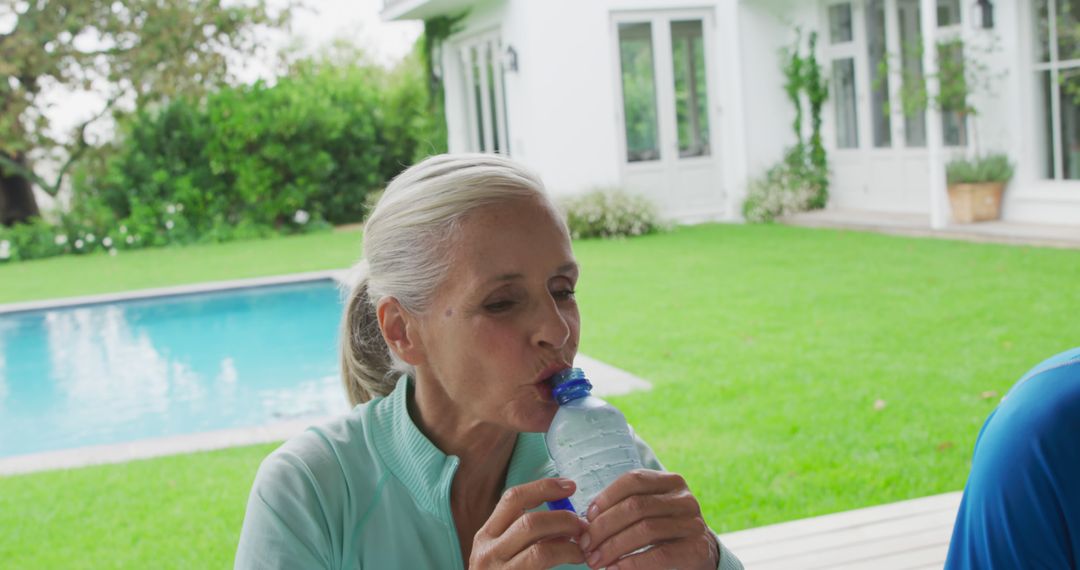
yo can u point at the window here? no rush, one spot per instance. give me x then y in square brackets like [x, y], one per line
[948, 13]
[879, 76]
[691, 105]
[484, 95]
[639, 92]
[840, 24]
[847, 124]
[1057, 69]
[911, 70]
[950, 68]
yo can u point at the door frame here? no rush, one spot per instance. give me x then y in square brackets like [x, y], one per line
[667, 121]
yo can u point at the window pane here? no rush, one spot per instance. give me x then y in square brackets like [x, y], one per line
[1045, 114]
[840, 23]
[1042, 30]
[1068, 29]
[1070, 124]
[948, 13]
[478, 97]
[639, 92]
[954, 88]
[879, 75]
[691, 90]
[912, 90]
[493, 68]
[847, 126]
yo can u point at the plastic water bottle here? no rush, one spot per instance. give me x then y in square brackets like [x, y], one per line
[588, 439]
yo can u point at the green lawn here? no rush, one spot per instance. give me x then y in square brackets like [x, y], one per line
[768, 347]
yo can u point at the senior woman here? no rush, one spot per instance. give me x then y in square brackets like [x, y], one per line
[464, 308]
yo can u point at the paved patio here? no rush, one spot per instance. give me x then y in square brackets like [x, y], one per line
[899, 536]
[918, 225]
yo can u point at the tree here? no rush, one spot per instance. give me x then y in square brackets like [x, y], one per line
[130, 52]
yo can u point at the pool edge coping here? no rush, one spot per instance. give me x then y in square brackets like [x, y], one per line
[120, 453]
[339, 276]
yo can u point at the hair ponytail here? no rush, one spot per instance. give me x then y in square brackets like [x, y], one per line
[366, 367]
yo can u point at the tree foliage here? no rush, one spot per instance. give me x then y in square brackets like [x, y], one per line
[134, 52]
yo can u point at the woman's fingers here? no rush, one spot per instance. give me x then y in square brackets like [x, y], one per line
[648, 508]
[547, 554]
[515, 538]
[636, 482]
[517, 500]
[700, 551]
[637, 495]
[654, 532]
[540, 526]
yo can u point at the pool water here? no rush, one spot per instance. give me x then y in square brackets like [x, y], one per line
[119, 372]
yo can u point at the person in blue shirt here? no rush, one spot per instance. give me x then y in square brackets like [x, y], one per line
[1021, 505]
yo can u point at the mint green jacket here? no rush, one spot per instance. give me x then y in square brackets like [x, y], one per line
[368, 490]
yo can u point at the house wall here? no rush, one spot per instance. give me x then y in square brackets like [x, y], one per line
[563, 103]
[895, 179]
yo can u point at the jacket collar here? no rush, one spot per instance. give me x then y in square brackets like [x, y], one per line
[424, 469]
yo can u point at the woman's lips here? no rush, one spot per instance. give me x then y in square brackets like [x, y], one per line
[544, 389]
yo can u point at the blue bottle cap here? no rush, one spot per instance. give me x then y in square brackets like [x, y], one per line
[570, 384]
[568, 375]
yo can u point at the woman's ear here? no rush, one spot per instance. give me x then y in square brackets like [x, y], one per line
[400, 330]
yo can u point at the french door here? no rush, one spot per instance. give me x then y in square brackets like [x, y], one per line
[665, 78]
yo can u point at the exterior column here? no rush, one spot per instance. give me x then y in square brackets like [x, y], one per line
[934, 138]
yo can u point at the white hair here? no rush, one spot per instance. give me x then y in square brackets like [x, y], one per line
[406, 253]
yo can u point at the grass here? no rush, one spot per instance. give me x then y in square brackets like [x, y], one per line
[768, 347]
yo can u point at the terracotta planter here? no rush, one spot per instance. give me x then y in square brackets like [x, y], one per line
[976, 202]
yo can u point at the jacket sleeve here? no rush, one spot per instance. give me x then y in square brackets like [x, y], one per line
[728, 560]
[285, 525]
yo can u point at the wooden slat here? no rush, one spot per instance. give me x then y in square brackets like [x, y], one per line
[898, 536]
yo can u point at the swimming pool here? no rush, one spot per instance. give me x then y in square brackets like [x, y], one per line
[120, 372]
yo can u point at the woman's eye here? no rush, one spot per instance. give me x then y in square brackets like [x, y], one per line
[499, 306]
[564, 295]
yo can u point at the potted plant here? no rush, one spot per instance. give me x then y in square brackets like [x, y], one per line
[976, 187]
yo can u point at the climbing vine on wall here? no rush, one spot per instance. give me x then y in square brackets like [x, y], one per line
[436, 31]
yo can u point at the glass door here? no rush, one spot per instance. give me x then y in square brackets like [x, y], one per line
[665, 83]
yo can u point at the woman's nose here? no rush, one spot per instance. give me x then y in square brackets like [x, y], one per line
[552, 330]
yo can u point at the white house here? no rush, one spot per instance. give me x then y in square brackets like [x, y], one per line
[684, 102]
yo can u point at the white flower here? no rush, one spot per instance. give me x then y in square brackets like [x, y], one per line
[123, 229]
[169, 224]
[90, 238]
[112, 252]
[170, 209]
[60, 239]
[78, 244]
[130, 240]
[107, 242]
[301, 217]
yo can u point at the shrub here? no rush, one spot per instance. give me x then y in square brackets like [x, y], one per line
[265, 158]
[31, 240]
[793, 185]
[990, 168]
[610, 213]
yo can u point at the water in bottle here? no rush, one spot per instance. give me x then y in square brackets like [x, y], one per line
[588, 439]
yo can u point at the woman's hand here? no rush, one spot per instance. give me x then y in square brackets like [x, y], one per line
[648, 508]
[514, 538]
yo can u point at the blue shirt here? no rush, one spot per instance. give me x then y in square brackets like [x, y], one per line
[1021, 506]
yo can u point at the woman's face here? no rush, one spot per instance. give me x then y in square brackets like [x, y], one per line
[505, 319]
